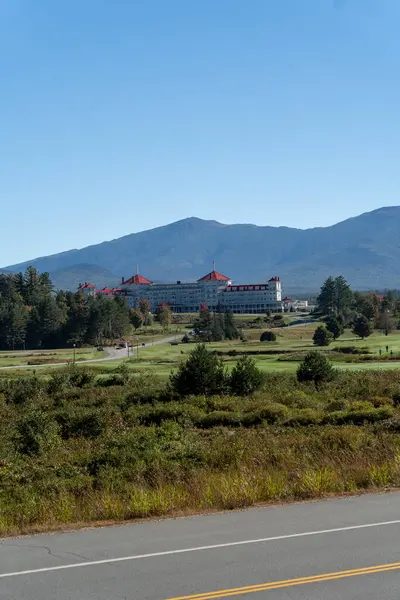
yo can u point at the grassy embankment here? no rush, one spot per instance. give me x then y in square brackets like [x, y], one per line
[77, 447]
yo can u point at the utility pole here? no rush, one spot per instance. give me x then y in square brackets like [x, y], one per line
[74, 346]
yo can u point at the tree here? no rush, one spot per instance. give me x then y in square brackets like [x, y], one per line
[335, 326]
[268, 336]
[386, 322]
[230, 329]
[136, 318]
[335, 296]
[316, 368]
[202, 373]
[144, 308]
[217, 327]
[322, 337]
[246, 377]
[164, 315]
[362, 326]
[203, 324]
[366, 304]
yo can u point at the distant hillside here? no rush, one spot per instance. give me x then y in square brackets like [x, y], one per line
[69, 278]
[365, 249]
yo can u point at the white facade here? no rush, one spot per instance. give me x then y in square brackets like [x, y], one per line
[214, 290]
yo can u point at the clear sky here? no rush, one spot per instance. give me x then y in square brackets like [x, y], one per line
[122, 115]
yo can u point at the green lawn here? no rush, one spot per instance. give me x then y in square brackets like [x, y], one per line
[165, 357]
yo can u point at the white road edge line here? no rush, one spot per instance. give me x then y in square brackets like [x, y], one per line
[108, 561]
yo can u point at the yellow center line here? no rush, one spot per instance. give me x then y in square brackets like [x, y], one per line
[273, 585]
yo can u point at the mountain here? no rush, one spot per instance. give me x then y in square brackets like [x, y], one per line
[69, 278]
[365, 249]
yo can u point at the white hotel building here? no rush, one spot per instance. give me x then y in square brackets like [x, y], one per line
[214, 289]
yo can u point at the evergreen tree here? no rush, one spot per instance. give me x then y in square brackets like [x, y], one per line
[335, 296]
[217, 328]
[322, 337]
[202, 326]
[230, 329]
[362, 327]
[334, 326]
[315, 367]
[202, 374]
[246, 378]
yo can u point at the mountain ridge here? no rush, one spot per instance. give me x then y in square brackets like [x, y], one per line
[364, 248]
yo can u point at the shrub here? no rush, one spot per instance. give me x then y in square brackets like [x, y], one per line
[220, 418]
[351, 350]
[23, 390]
[80, 376]
[81, 422]
[268, 336]
[58, 383]
[322, 337]
[245, 378]
[37, 433]
[271, 414]
[111, 380]
[202, 373]
[316, 368]
[359, 416]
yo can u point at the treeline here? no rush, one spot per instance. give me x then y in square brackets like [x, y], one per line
[214, 326]
[362, 311]
[33, 316]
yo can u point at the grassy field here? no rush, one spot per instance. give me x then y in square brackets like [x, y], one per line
[297, 340]
[39, 357]
[283, 355]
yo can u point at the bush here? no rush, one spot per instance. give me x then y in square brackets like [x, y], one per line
[111, 380]
[220, 418]
[351, 350]
[80, 377]
[81, 422]
[37, 433]
[202, 373]
[268, 336]
[271, 414]
[58, 383]
[245, 378]
[359, 416]
[316, 368]
[23, 390]
[322, 337]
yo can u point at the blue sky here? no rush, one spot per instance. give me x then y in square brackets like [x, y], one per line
[118, 116]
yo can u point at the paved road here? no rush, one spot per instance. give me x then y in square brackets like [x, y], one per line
[109, 354]
[215, 556]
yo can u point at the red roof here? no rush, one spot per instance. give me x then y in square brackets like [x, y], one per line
[287, 299]
[87, 286]
[137, 279]
[214, 276]
[116, 289]
[274, 279]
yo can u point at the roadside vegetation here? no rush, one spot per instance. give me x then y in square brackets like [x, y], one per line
[78, 447]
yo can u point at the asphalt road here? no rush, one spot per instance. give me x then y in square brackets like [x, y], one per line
[302, 552]
[109, 354]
